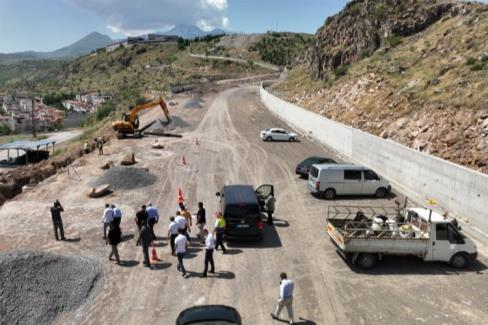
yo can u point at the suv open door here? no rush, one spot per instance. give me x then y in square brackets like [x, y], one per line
[263, 192]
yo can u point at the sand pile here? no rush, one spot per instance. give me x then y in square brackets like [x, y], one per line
[120, 177]
[36, 287]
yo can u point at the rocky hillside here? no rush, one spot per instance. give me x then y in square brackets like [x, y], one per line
[415, 72]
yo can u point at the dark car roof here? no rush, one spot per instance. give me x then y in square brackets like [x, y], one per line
[208, 313]
[239, 194]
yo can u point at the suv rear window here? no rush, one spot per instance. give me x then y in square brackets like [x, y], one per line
[314, 172]
[352, 175]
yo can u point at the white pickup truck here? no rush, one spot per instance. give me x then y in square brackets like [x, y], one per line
[420, 232]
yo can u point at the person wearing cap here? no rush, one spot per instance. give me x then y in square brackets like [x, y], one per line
[152, 218]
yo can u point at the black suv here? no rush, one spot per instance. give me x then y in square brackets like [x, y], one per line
[303, 168]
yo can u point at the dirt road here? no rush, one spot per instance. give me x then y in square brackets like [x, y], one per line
[328, 291]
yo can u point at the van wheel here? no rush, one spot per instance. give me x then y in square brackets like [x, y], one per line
[367, 261]
[269, 138]
[381, 193]
[459, 260]
[329, 194]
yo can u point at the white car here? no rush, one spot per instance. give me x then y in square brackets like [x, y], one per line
[275, 134]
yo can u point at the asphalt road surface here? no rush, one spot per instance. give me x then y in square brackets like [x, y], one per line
[327, 290]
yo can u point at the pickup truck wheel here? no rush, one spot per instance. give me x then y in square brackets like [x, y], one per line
[367, 261]
[269, 138]
[381, 192]
[459, 260]
[329, 194]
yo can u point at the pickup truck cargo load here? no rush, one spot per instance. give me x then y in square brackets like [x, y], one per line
[365, 234]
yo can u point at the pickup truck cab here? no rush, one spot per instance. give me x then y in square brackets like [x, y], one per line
[423, 233]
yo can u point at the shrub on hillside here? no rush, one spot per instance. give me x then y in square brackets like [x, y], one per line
[393, 40]
[105, 110]
[471, 61]
[340, 71]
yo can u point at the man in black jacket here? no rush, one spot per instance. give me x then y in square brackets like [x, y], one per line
[114, 237]
[141, 219]
[57, 221]
[145, 238]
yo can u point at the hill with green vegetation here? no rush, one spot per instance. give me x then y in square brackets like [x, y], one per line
[425, 85]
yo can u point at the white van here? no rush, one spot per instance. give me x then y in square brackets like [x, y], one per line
[328, 180]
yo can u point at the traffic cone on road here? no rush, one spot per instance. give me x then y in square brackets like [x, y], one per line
[180, 196]
[154, 255]
[183, 160]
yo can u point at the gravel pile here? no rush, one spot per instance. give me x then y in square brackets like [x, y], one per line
[194, 102]
[36, 287]
[162, 128]
[120, 177]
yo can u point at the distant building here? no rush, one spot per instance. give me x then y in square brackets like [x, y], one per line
[112, 47]
[135, 40]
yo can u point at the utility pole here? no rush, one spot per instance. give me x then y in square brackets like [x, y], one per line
[33, 117]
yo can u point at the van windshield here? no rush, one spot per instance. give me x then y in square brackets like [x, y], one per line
[314, 172]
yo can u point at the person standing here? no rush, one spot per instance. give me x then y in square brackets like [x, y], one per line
[107, 217]
[117, 215]
[285, 299]
[86, 147]
[172, 233]
[201, 220]
[56, 210]
[181, 244]
[100, 145]
[270, 207]
[187, 215]
[145, 238]
[219, 231]
[114, 238]
[141, 218]
[209, 248]
[152, 218]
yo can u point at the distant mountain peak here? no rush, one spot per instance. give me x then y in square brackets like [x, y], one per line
[192, 31]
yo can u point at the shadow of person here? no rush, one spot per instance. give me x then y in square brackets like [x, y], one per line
[129, 263]
[226, 275]
[233, 251]
[72, 240]
[280, 223]
[160, 265]
[160, 244]
[126, 237]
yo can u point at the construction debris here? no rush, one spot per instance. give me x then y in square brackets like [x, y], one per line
[120, 177]
[128, 160]
[99, 191]
[35, 288]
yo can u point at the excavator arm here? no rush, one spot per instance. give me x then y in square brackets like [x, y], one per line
[135, 111]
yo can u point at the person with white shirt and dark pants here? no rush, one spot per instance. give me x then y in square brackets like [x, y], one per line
[285, 299]
[152, 218]
[209, 249]
[107, 218]
[181, 244]
[172, 233]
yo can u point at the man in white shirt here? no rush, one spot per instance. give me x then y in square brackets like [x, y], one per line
[172, 233]
[181, 245]
[180, 220]
[285, 299]
[209, 248]
[107, 217]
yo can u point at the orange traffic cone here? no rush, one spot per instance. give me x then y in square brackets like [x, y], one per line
[180, 196]
[154, 255]
[183, 160]
[196, 142]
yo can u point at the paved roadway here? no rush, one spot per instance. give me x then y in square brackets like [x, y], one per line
[328, 291]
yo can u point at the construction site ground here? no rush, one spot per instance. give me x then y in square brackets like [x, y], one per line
[227, 126]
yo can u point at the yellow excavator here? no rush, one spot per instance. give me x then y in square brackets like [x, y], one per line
[130, 124]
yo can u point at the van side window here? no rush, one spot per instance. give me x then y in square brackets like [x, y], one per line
[352, 175]
[441, 231]
[370, 175]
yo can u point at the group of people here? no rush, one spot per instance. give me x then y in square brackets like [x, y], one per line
[97, 143]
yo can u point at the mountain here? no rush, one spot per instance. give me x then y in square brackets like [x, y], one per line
[413, 72]
[191, 31]
[83, 46]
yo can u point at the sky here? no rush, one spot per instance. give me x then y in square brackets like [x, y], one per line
[46, 25]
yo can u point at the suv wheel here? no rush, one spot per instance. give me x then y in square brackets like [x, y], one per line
[366, 261]
[329, 194]
[459, 260]
[381, 192]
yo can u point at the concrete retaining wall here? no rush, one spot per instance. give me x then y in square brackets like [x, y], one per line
[457, 189]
